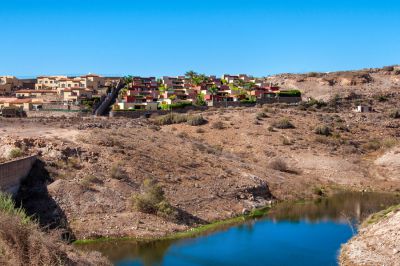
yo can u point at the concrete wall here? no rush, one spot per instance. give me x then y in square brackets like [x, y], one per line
[13, 172]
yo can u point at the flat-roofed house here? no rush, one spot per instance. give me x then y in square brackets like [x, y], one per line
[48, 82]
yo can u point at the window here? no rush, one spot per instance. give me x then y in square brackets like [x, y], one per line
[69, 85]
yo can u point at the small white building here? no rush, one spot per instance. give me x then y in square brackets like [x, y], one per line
[363, 109]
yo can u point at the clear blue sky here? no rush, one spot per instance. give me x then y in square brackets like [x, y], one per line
[169, 37]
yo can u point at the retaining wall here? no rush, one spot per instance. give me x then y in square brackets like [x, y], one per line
[13, 172]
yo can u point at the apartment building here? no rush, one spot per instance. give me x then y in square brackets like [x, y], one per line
[8, 84]
[59, 83]
[146, 86]
[175, 83]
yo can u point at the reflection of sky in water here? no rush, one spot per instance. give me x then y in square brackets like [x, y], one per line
[291, 234]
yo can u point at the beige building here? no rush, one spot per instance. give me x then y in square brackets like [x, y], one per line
[24, 104]
[8, 84]
[76, 94]
[47, 95]
[59, 83]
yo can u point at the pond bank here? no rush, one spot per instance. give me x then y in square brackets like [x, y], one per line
[323, 225]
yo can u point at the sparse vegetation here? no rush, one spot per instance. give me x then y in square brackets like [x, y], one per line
[279, 165]
[372, 145]
[117, 172]
[23, 243]
[323, 130]
[283, 123]
[14, 153]
[196, 120]
[152, 200]
[261, 115]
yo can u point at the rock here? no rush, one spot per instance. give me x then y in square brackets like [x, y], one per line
[245, 211]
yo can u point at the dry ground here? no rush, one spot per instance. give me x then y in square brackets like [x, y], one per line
[208, 172]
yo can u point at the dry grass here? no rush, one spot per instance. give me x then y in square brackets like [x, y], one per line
[23, 243]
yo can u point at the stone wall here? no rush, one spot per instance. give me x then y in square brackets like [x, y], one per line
[13, 172]
[56, 114]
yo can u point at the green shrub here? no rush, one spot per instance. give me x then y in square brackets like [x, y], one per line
[289, 93]
[169, 119]
[7, 206]
[312, 103]
[87, 181]
[152, 200]
[323, 130]
[283, 123]
[14, 153]
[178, 105]
[196, 120]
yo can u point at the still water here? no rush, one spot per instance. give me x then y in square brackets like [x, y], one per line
[308, 233]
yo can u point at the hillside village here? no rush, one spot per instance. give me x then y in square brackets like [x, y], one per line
[85, 93]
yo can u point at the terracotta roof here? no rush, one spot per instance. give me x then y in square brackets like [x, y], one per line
[19, 101]
[36, 91]
[14, 100]
[7, 100]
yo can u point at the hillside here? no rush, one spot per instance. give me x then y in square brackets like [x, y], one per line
[366, 82]
[378, 242]
[240, 159]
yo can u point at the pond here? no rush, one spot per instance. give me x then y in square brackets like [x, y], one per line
[306, 233]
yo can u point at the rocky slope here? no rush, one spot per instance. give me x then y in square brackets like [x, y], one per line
[378, 242]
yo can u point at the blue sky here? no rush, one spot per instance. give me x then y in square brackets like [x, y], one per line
[160, 37]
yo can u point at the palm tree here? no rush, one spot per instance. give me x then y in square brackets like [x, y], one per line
[191, 76]
[213, 90]
[128, 80]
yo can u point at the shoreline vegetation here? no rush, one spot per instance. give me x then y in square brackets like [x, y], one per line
[190, 233]
[254, 214]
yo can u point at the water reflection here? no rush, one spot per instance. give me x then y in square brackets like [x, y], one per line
[322, 226]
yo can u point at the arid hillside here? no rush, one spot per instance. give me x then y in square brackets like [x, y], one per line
[98, 170]
[324, 85]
